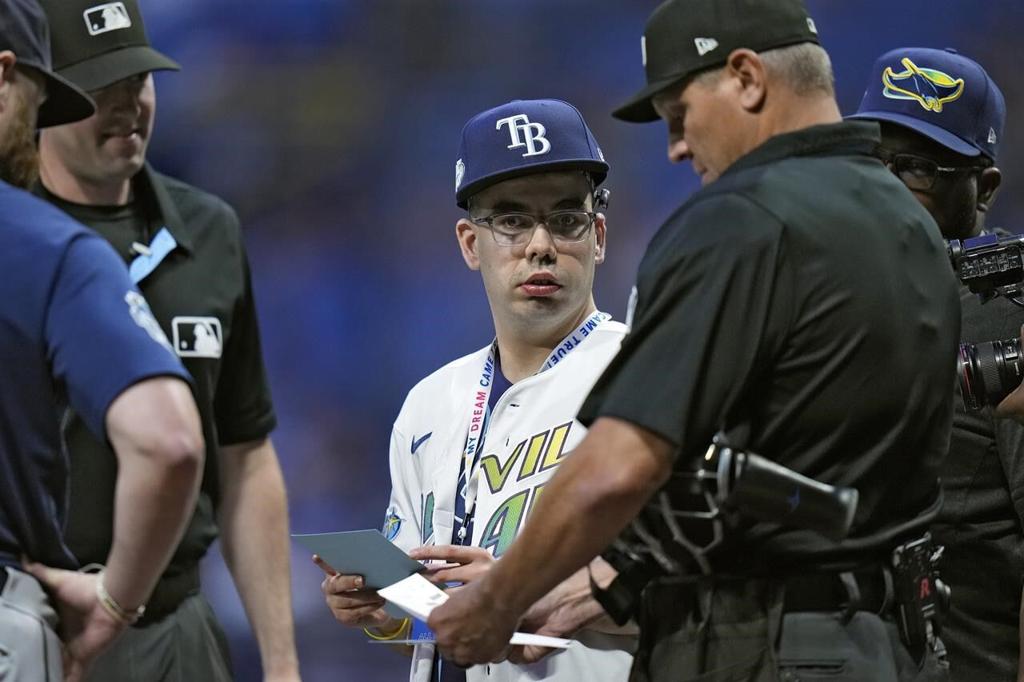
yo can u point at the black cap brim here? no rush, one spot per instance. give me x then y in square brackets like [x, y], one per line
[108, 68]
[639, 109]
[64, 103]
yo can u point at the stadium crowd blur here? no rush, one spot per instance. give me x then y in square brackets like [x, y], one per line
[331, 125]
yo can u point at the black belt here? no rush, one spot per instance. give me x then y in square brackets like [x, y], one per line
[168, 595]
[867, 590]
[3, 578]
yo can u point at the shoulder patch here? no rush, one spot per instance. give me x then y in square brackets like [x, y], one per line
[392, 524]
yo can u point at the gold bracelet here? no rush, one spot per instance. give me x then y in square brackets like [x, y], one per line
[385, 637]
[110, 605]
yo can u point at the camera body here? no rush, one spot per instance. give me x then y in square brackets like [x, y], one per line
[990, 266]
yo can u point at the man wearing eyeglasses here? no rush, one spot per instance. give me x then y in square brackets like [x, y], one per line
[477, 440]
[942, 120]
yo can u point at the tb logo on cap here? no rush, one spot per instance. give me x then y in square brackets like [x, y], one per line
[532, 133]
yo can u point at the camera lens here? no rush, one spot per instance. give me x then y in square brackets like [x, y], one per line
[989, 371]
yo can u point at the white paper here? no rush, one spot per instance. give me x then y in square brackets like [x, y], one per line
[518, 639]
[528, 639]
[415, 595]
[418, 596]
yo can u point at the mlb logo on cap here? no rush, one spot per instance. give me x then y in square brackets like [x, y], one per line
[524, 137]
[940, 94]
[96, 44]
[109, 17]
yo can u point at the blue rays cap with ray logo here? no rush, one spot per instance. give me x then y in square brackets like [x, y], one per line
[940, 94]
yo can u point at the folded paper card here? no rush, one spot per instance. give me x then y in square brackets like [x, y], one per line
[363, 552]
[418, 596]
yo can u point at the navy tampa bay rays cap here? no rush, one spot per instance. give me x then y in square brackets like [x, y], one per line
[521, 138]
[684, 37]
[940, 94]
[25, 32]
[96, 44]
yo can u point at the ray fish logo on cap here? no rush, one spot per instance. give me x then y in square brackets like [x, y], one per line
[105, 18]
[532, 133]
[928, 87]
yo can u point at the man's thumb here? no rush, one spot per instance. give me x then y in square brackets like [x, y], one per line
[49, 577]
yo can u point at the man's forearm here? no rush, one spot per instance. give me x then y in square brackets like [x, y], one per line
[154, 430]
[596, 492]
[153, 504]
[571, 606]
[254, 527]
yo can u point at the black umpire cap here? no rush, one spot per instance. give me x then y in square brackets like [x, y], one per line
[23, 31]
[96, 44]
[684, 37]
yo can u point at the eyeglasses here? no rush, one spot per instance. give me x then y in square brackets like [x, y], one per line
[515, 229]
[920, 173]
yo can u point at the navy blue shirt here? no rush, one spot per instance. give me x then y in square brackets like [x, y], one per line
[74, 331]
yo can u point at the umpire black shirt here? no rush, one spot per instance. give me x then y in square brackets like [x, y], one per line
[806, 298]
[200, 292]
[981, 521]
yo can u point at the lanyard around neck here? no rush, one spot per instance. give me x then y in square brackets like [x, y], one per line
[479, 417]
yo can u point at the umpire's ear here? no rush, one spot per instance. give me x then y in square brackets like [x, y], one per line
[465, 232]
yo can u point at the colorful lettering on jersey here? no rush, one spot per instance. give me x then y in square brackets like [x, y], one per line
[504, 524]
[494, 472]
[543, 451]
[536, 498]
[556, 444]
[427, 514]
[529, 467]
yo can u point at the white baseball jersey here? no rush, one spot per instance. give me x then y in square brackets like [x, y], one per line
[530, 430]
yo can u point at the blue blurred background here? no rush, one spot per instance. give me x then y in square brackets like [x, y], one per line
[332, 126]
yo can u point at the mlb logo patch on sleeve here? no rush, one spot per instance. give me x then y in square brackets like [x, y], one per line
[197, 337]
[109, 17]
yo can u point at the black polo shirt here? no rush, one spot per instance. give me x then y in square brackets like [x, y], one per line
[982, 521]
[195, 275]
[804, 299]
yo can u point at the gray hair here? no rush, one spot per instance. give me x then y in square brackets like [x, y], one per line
[805, 67]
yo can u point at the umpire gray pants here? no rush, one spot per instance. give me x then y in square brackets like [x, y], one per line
[186, 646]
[30, 650]
[738, 633]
